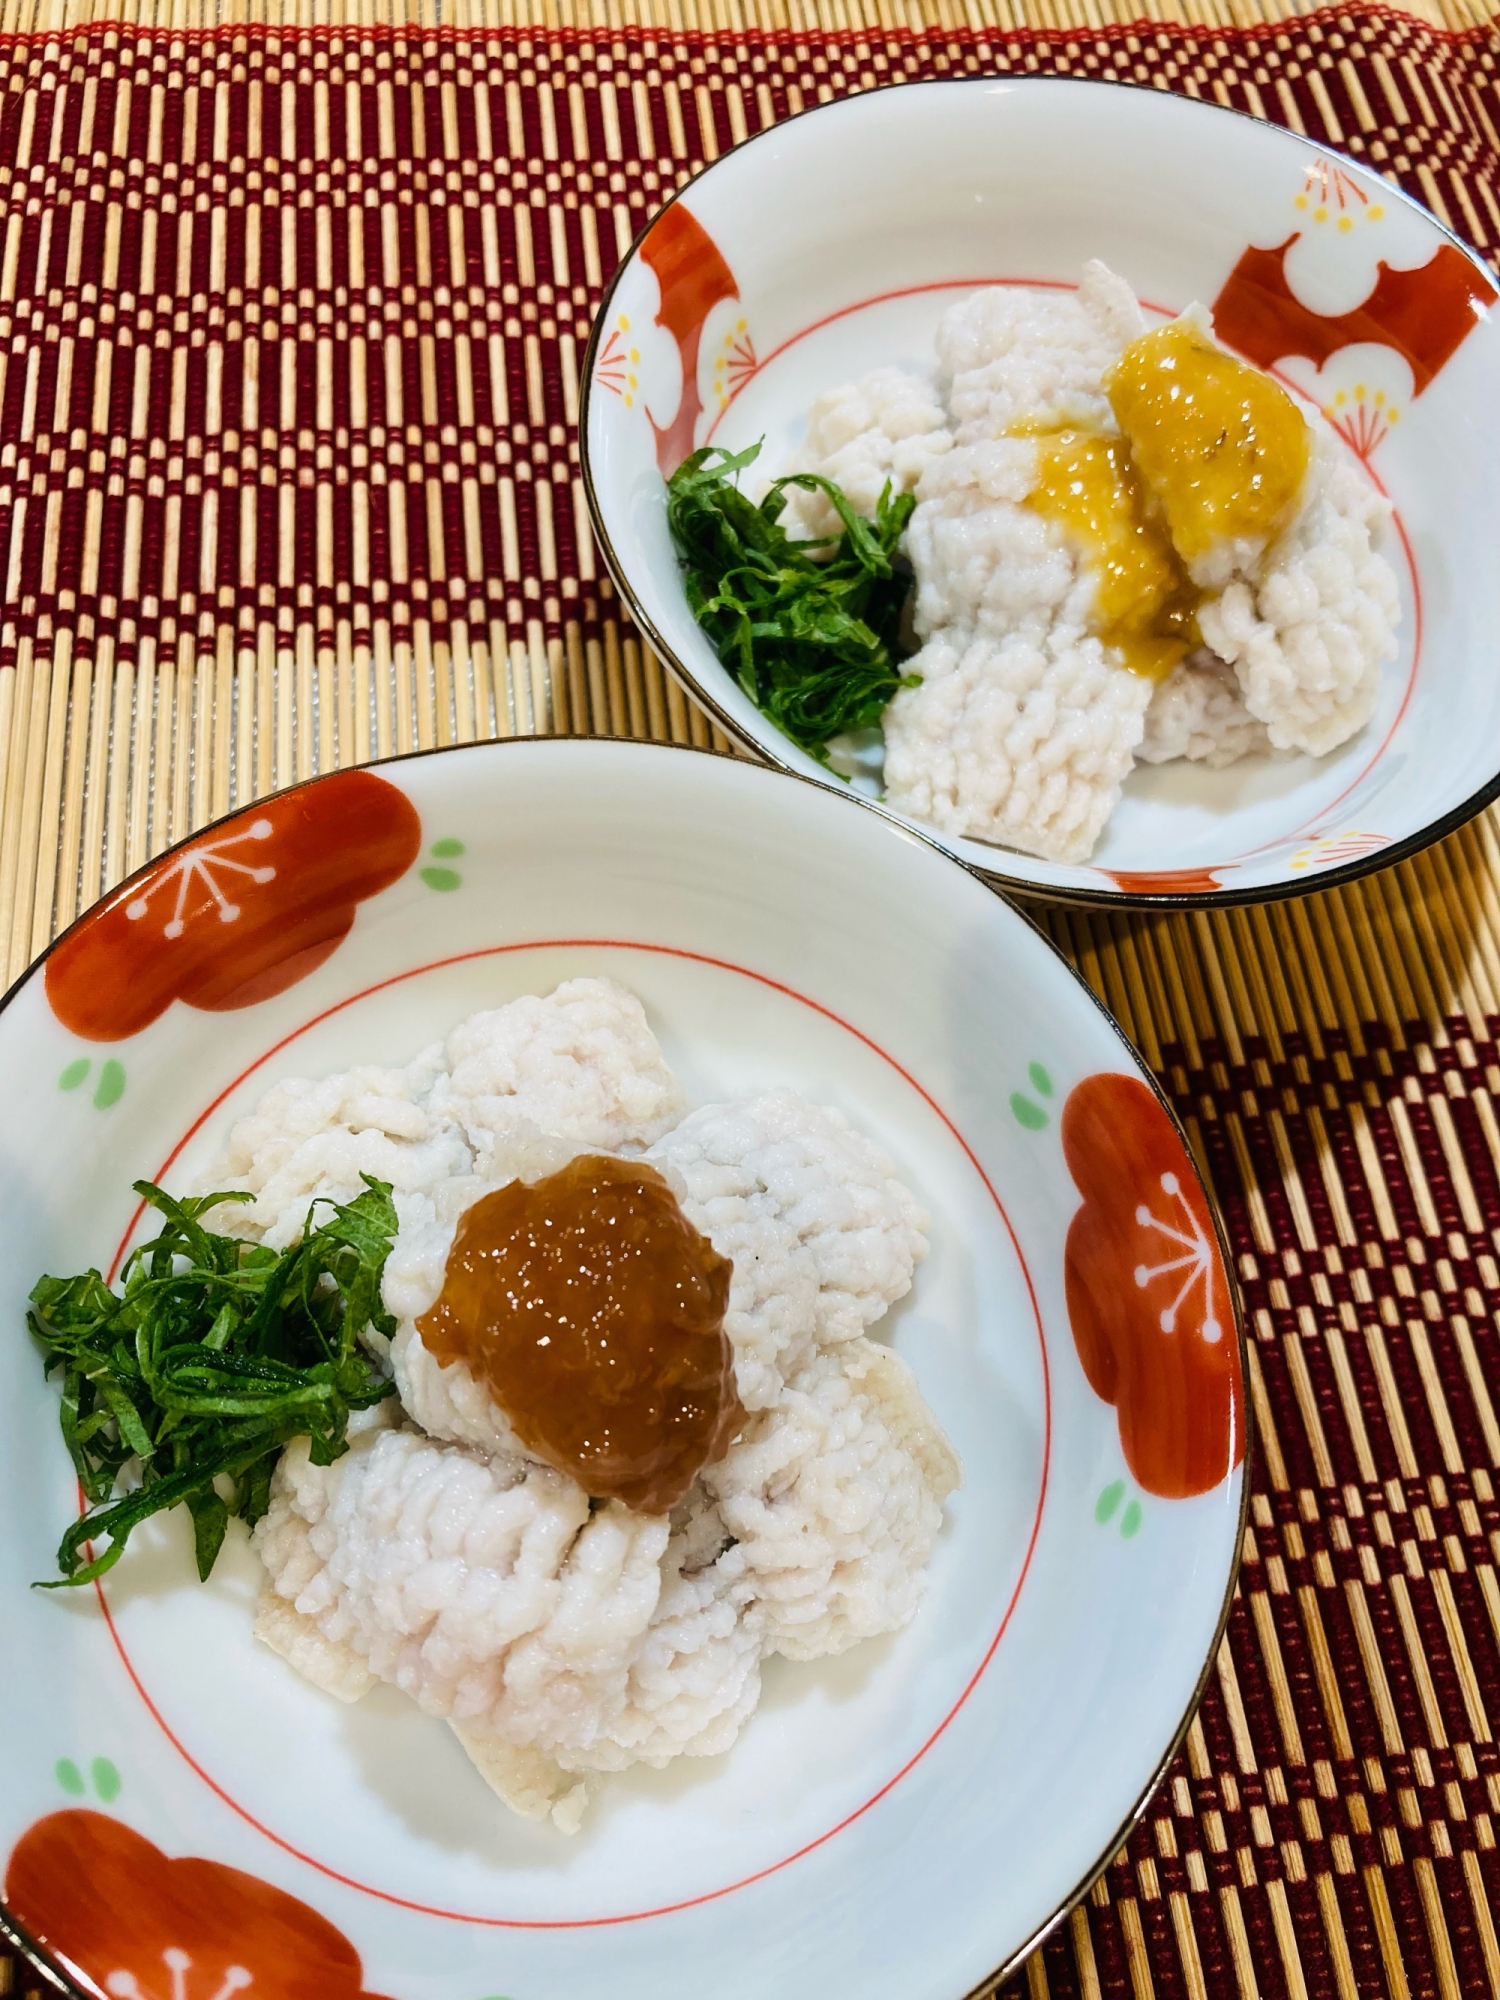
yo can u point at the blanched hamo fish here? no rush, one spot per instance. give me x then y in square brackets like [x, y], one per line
[560, 1636]
[1025, 722]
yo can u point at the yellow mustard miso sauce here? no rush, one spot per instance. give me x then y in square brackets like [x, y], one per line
[1222, 447]
[1144, 603]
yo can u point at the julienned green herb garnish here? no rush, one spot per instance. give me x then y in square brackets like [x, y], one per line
[212, 1356]
[812, 642]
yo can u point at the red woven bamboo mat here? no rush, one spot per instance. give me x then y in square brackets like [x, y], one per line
[1329, 1828]
[204, 599]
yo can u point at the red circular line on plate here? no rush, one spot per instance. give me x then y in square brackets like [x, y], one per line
[709, 1895]
[1166, 312]
[1411, 680]
[901, 292]
[1385, 741]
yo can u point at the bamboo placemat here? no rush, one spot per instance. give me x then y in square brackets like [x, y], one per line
[204, 600]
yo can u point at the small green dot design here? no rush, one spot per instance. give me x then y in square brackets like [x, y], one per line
[1026, 1113]
[74, 1074]
[111, 1085]
[106, 1779]
[69, 1776]
[444, 879]
[1041, 1081]
[1107, 1506]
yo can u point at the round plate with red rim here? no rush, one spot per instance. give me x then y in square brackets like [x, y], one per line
[181, 1816]
[751, 293]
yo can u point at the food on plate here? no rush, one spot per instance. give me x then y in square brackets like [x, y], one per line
[626, 1432]
[214, 1352]
[593, 1313]
[882, 431]
[1127, 545]
[809, 629]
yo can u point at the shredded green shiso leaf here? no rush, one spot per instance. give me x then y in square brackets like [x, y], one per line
[812, 642]
[213, 1355]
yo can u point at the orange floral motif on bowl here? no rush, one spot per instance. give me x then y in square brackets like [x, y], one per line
[1364, 418]
[1331, 195]
[259, 902]
[1424, 315]
[694, 279]
[1148, 1295]
[617, 363]
[1163, 881]
[1333, 849]
[126, 1920]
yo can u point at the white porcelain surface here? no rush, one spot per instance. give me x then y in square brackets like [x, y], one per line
[848, 231]
[897, 1822]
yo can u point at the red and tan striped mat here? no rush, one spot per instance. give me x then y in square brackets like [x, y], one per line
[291, 313]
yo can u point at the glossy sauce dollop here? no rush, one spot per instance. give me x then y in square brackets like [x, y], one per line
[1222, 447]
[1143, 602]
[593, 1312]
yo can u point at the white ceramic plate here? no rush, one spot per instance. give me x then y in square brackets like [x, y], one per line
[897, 1822]
[832, 245]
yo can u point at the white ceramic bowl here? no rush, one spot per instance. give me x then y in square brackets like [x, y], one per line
[900, 1821]
[833, 243]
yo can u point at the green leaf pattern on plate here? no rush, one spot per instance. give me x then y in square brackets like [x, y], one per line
[444, 879]
[106, 1778]
[1026, 1113]
[111, 1085]
[1025, 1110]
[1108, 1505]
